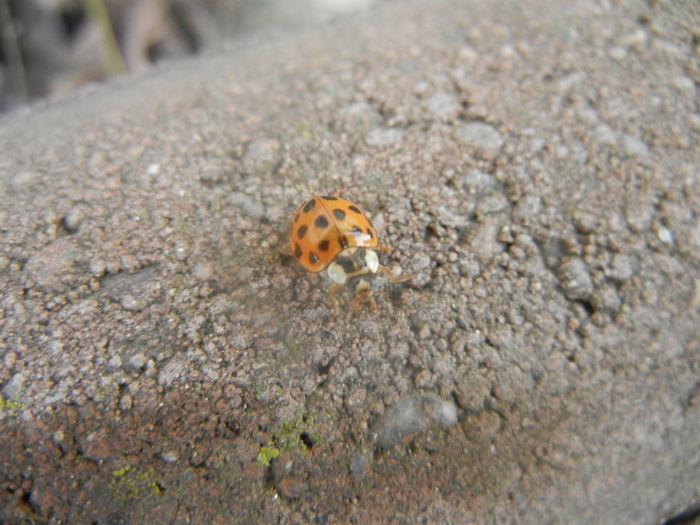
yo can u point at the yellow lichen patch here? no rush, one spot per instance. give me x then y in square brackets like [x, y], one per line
[267, 454]
[129, 483]
[9, 405]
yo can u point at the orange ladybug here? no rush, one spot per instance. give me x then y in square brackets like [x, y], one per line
[334, 234]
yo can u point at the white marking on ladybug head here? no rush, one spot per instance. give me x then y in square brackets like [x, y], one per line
[371, 260]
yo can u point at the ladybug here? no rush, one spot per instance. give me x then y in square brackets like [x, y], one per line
[334, 234]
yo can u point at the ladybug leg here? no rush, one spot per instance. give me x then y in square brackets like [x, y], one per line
[363, 300]
[386, 272]
[286, 248]
[334, 300]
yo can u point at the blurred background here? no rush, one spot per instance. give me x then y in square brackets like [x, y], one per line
[51, 46]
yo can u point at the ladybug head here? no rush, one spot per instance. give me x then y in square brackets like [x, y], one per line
[351, 264]
[353, 268]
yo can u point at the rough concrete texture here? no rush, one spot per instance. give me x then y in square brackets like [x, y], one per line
[533, 164]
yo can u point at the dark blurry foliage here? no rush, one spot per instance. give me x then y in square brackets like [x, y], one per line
[49, 46]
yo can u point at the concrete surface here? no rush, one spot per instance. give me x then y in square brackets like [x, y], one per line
[533, 164]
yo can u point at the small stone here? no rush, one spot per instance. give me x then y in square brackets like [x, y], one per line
[14, 386]
[203, 270]
[24, 179]
[356, 398]
[43, 496]
[133, 291]
[566, 83]
[98, 267]
[444, 413]
[358, 116]
[468, 54]
[635, 38]
[384, 136]
[639, 214]
[477, 179]
[170, 457]
[484, 138]
[126, 402]
[510, 384]
[634, 147]
[684, 85]
[604, 134]
[527, 207]
[262, 156]
[170, 372]
[424, 332]
[10, 360]
[74, 217]
[584, 222]
[606, 300]
[575, 279]
[618, 53]
[55, 266]
[620, 267]
[358, 463]
[115, 361]
[482, 240]
[443, 106]
[491, 204]
[424, 379]
[138, 361]
[247, 204]
[664, 234]
[472, 392]
[130, 303]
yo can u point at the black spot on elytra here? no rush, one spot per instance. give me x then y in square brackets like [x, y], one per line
[355, 209]
[313, 258]
[339, 214]
[302, 231]
[343, 241]
[327, 198]
[369, 232]
[356, 229]
[297, 251]
[323, 245]
[309, 206]
[321, 222]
